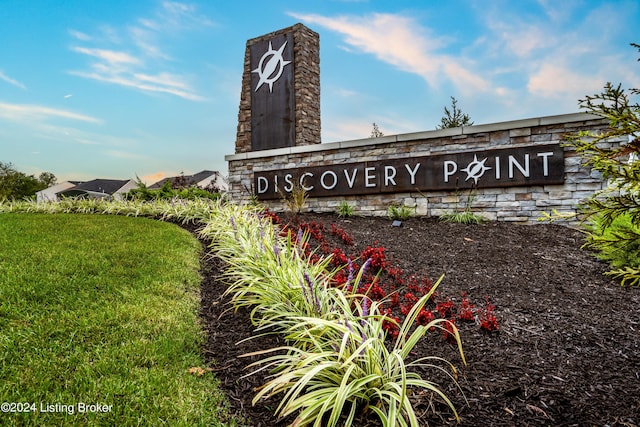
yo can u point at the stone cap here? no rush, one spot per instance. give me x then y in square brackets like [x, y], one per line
[295, 27]
[430, 134]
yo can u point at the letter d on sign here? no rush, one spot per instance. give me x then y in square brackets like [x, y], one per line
[263, 185]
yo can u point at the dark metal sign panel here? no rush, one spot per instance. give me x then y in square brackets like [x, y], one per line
[507, 167]
[272, 93]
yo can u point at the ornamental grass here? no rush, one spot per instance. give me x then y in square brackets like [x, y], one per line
[338, 361]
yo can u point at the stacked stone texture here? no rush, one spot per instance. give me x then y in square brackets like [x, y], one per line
[306, 88]
[518, 204]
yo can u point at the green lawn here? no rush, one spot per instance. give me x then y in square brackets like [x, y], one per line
[101, 310]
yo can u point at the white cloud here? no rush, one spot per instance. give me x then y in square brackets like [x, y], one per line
[558, 10]
[351, 119]
[11, 81]
[344, 130]
[170, 18]
[141, 82]
[108, 34]
[25, 112]
[346, 93]
[128, 66]
[523, 40]
[145, 41]
[109, 56]
[525, 61]
[389, 123]
[179, 16]
[85, 141]
[546, 62]
[121, 68]
[78, 35]
[90, 140]
[400, 41]
[164, 79]
[555, 81]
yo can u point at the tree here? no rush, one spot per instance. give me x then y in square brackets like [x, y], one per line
[48, 179]
[375, 132]
[614, 213]
[16, 185]
[454, 118]
[168, 192]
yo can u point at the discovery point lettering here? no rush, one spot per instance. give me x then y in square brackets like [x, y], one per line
[519, 166]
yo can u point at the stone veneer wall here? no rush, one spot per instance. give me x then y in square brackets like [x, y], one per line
[518, 204]
[306, 87]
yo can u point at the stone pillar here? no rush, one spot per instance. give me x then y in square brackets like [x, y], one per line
[280, 97]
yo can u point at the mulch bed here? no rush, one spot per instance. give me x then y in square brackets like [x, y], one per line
[567, 352]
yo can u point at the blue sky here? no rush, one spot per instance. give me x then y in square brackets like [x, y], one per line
[150, 88]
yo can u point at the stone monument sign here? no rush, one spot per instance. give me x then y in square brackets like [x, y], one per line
[512, 171]
[280, 99]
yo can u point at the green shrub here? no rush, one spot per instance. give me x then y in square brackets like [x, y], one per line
[466, 217]
[399, 212]
[618, 244]
[166, 192]
[614, 213]
[177, 210]
[296, 200]
[345, 210]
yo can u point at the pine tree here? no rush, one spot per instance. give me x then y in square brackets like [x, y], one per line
[614, 213]
[454, 118]
[375, 132]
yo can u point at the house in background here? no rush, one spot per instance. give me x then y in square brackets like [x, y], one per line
[97, 189]
[51, 194]
[205, 180]
[116, 188]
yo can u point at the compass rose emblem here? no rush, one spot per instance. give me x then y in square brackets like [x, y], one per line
[270, 67]
[475, 169]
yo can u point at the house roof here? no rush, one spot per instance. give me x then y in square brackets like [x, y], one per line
[188, 179]
[202, 175]
[104, 186]
[60, 186]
